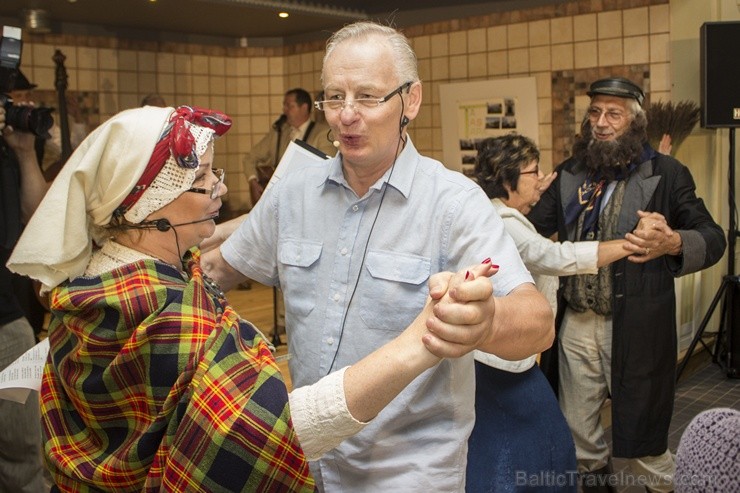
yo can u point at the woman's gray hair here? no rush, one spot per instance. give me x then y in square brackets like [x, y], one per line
[404, 56]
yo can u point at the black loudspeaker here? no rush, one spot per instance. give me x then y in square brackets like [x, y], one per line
[720, 74]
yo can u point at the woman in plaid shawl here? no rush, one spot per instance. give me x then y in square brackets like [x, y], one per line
[153, 382]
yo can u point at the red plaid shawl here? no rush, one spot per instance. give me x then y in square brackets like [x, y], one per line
[155, 384]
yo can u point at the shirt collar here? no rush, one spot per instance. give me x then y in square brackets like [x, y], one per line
[403, 170]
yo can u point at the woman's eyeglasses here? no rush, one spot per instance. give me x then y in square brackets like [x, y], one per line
[535, 171]
[215, 190]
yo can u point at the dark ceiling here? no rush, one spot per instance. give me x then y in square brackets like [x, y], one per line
[255, 20]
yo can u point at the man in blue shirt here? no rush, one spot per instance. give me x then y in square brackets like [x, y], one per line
[352, 244]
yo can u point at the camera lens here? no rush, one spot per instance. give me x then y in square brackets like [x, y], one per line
[38, 121]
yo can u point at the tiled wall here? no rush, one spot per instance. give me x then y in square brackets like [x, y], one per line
[563, 46]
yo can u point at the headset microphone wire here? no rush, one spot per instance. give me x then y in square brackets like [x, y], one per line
[401, 140]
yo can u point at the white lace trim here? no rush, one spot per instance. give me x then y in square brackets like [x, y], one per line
[112, 256]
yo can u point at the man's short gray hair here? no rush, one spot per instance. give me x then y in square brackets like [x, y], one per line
[404, 56]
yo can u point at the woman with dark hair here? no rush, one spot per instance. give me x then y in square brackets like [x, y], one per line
[540, 445]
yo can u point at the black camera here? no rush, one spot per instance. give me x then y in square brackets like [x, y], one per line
[38, 121]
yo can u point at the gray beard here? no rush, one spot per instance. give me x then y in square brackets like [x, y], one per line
[609, 159]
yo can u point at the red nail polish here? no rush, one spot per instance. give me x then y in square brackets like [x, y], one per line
[487, 261]
[494, 266]
[467, 274]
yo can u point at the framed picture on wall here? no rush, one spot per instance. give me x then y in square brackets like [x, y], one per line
[473, 111]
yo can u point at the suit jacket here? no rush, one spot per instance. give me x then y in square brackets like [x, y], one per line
[262, 155]
[644, 346]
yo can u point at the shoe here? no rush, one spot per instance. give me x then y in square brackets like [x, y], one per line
[599, 481]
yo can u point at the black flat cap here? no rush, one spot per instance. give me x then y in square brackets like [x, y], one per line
[21, 83]
[617, 86]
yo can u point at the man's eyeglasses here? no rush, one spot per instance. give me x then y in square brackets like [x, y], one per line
[357, 104]
[215, 190]
[613, 117]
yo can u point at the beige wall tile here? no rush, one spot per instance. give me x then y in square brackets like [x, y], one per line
[422, 46]
[243, 105]
[636, 50]
[660, 18]
[259, 86]
[165, 63]
[424, 117]
[609, 24]
[217, 102]
[635, 21]
[147, 82]
[476, 40]
[127, 60]
[586, 54]
[517, 35]
[539, 33]
[477, 65]
[165, 83]
[307, 62]
[546, 164]
[660, 77]
[216, 84]
[660, 46]
[561, 29]
[498, 63]
[87, 80]
[183, 63]
[440, 68]
[422, 138]
[439, 45]
[610, 52]
[275, 65]
[216, 65]
[258, 66]
[518, 61]
[183, 84]
[128, 100]
[539, 58]
[664, 96]
[545, 134]
[260, 108]
[562, 56]
[43, 77]
[146, 61]
[544, 84]
[544, 111]
[458, 43]
[107, 59]
[584, 27]
[108, 102]
[128, 82]
[108, 81]
[496, 38]
[200, 64]
[87, 57]
[425, 69]
[458, 67]
[42, 55]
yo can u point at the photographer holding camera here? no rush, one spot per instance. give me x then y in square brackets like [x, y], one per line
[22, 186]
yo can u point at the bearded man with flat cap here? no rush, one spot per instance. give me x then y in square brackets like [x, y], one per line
[617, 328]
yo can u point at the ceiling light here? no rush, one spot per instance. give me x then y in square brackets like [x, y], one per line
[302, 7]
[283, 15]
[37, 21]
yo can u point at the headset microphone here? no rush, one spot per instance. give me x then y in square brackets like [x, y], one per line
[404, 121]
[164, 225]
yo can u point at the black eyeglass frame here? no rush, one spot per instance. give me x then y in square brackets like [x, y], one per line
[221, 174]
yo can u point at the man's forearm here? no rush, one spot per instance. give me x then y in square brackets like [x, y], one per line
[523, 325]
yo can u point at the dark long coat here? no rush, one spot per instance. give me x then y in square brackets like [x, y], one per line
[644, 347]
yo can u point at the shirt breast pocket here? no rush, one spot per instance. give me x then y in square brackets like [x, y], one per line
[396, 291]
[299, 264]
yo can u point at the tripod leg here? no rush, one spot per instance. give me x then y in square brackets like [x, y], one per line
[702, 326]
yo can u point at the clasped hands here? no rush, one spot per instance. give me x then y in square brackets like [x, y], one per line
[459, 312]
[652, 238]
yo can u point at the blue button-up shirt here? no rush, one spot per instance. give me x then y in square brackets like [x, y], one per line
[354, 274]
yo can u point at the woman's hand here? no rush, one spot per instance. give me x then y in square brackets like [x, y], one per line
[461, 311]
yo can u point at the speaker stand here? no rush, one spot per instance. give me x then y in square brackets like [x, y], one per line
[275, 329]
[723, 344]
